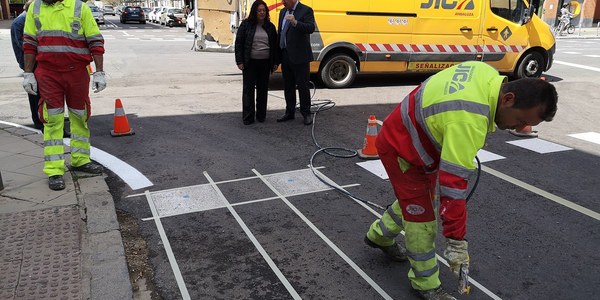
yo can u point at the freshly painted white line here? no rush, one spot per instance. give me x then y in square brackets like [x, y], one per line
[127, 173]
[326, 239]
[249, 202]
[225, 181]
[571, 52]
[593, 137]
[592, 55]
[577, 65]
[22, 126]
[485, 156]
[130, 175]
[539, 145]
[258, 246]
[163, 237]
[441, 259]
[549, 196]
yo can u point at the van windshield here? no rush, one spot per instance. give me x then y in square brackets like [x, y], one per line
[511, 10]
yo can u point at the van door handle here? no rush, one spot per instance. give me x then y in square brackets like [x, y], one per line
[492, 29]
[465, 29]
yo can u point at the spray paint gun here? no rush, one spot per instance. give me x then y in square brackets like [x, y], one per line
[463, 279]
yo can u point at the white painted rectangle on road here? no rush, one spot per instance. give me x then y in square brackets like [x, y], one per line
[593, 137]
[375, 167]
[485, 156]
[539, 146]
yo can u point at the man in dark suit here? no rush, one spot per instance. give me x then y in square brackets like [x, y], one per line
[296, 23]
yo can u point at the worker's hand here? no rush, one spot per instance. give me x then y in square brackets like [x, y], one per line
[29, 83]
[456, 253]
[274, 68]
[98, 81]
[241, 66]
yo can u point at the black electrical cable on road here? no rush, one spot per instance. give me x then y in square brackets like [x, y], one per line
[342, 152]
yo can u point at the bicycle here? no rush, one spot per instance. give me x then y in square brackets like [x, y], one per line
[564, 26]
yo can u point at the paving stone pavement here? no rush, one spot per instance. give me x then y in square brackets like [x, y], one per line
[55, 244]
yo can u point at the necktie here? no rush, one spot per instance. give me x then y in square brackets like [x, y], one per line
[284, 28]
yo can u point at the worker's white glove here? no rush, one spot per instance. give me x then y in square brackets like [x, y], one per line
[98, 81]
[456, 253]
[29, 83]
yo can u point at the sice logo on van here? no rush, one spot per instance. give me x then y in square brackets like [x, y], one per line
[449, 4]
[462, 74]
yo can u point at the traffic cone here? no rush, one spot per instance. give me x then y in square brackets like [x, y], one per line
[120, 125]
[369, 151]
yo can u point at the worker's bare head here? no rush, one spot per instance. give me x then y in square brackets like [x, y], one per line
[50, 2]
[525, 102]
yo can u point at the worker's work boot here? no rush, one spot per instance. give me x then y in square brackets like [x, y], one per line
[436, 294]
[91, 167]
[56, 182]
[395, 252]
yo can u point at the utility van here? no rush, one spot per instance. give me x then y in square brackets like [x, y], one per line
[392, 36]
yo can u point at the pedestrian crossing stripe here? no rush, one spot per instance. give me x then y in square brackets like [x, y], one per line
[539, 145]
[593, 137]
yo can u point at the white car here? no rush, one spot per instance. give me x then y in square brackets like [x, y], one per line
[173, 17]
[189, 23]
[98, 14]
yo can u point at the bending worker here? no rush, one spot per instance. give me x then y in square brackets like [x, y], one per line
[64, 38]
[432, 138]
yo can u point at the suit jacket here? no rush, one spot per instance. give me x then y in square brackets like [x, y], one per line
[298, 37]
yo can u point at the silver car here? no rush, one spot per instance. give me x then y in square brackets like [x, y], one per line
[98, 14]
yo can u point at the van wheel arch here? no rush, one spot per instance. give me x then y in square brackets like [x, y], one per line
[531, 64]
[338, 69]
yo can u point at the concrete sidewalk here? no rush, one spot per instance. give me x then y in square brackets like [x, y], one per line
[55, 244]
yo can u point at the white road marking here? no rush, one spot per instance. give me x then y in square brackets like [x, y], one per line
[326, 239]
[485, 156]
[549, 196]
[593, 137]
[539, 145]
[592, 55]
[127, 173]
[163, 237]
[258, 246]
[577, 66]
[571, 52]
[247, 202]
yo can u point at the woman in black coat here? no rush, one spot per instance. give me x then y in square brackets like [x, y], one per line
[257, 55]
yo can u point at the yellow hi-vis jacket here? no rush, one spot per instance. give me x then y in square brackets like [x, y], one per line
[441, 125]
[63, 36]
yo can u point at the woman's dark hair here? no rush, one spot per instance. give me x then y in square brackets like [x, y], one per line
[252, 17]
[532, 92]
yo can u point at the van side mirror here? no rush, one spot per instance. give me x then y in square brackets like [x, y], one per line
[527, 14]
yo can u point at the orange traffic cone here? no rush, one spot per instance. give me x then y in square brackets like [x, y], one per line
[120, 125]
[369, 151]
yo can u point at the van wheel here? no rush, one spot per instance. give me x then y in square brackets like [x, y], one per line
[532, 65]
[339, 71]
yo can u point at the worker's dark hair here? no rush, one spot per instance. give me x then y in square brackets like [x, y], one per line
[253, 16]
[532, 92]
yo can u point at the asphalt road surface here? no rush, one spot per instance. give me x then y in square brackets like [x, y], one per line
[233, 212]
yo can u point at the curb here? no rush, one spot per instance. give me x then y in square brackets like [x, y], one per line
[104, 267]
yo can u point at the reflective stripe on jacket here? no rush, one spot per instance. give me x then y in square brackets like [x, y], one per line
[441, 125]
[63, 36]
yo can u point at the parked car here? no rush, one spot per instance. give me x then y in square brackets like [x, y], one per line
[173, 17]
[189, 22]
[98, 14]
[147, 11]
[119, 9]
[109, 10]
[133, 13]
